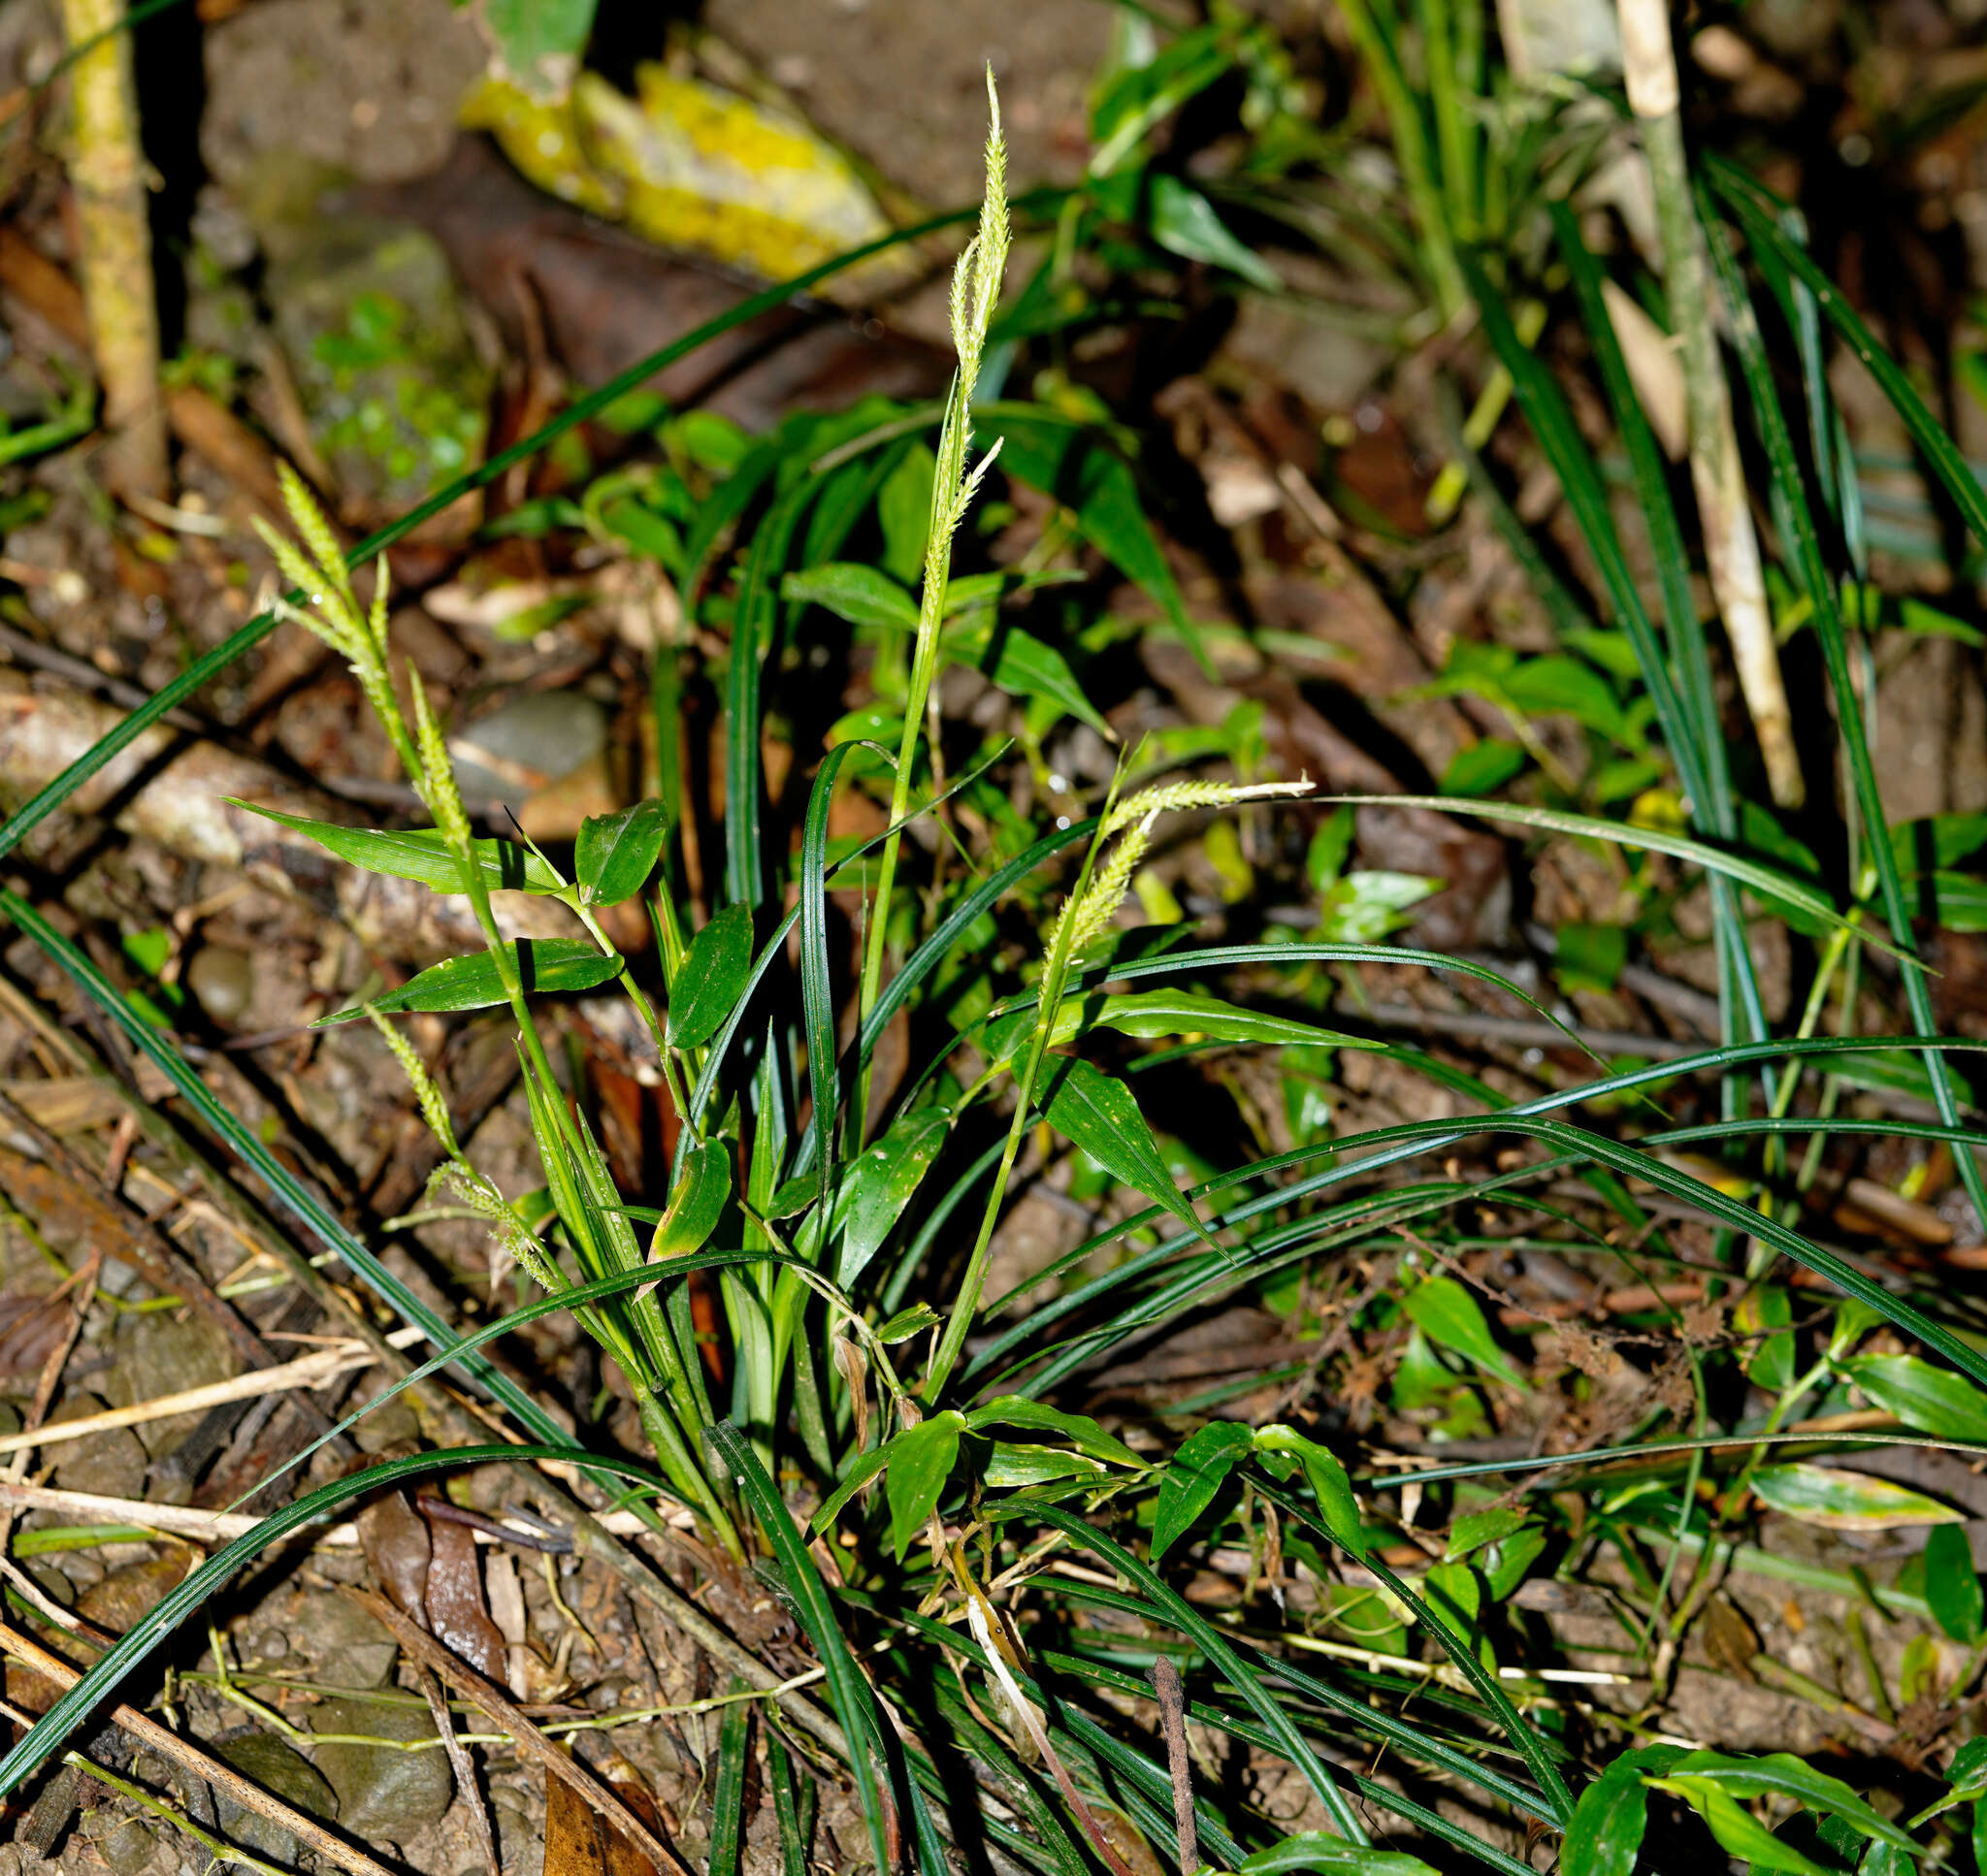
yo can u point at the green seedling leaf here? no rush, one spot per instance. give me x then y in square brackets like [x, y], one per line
[1931, 1400]
[858, 593]
[1845, 1501]
[1448, 1315]
[1560, 685]
[1763, 1313]
[1365, 906]
[1184, 222]
[920, 1461]
[1099, 1114]
[1192, 1476]
[1787, 1776]
[711, 978]
[1333, 1856]
[614, 854]
[907, 1323]
[1456, 1599]
[879, 1183]
[1025, 667]
[1084, 1432]
[1951, 1584]
[1968, 1767]
[1607, 1826]
[696, 1204]
[1016, 1467]
[1328, 1482]
[1474, 1529]
[1511, 1558]
[544, 966]
[421, 855]
[1483, 768]
[1737, 1832]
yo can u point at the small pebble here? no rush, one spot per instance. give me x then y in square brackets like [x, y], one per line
[222, 980]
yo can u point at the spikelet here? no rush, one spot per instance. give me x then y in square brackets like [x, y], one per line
[308, 518]
[427, 1091]
[1133, 819]
[436, 779]
[457, 1176]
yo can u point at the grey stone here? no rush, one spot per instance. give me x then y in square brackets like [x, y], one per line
[111, 1464]
[222, 980]
[282, 1773]
[382, 1792]
[159, 1354]
[340, 1644]
[127, 1847]
[545, 734]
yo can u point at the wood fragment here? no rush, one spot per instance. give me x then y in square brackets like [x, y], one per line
[529, 1741]
[183, 1753]
[1167, 1684]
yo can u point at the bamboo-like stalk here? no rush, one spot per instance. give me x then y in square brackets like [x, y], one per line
[107, 171]
[1716, 473]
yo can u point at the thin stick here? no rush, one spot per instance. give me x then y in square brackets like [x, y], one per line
[1165, 1677]
[223, 1778]
[465, 1770]
[1716, 473]
[529, 1741]
[307, 1372]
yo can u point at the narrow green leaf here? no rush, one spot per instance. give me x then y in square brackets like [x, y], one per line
[1932, 1400]
[906, 1323]
[1786, 1776]
[614, 854]
[1332, 1856]
[420, 854]
[1189, 1013]
[1192, 1476]
[903, 511]
[1474, 1529]
[1952, 1586]
[1016, 1411]
[920, 1461]
[727, 1800]
[817, 1006]
[1099, 1114]
[1448, 1313]
[1737, 1832]
[702, 1189]
[1845, 1501]
[544, 966]
[711, 978]
[880, 1183]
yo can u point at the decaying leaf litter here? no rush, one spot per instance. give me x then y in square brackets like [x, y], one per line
[1128, 1101]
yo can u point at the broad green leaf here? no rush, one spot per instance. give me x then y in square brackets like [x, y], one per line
[1763, 1314]
[1018, 1411]
[1099, 1114]
[1560, 685]
[1448, 1315]
[543, 965]
[1485, 767]
[1844, 1501]
[1932, 1400]
[1184, 222]
[903, 511]
[1510, 1561]
[1781, 1774]
[1365, 906]
[1328, 1482]
[1025, 667]
[697, 1202]
[858, 593]
[879, 1183]
[1941, 840]
[711, 978]
[1015, 1468]
[1607, 1824]
[1951, 1584]
[1333, 1856]
[421, 855]
[1456, 1599]
[1737, 1832]
[614, 854]
[1192, 1476]
[1475, 1529]
[920, 1461]
[1969, 1764]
